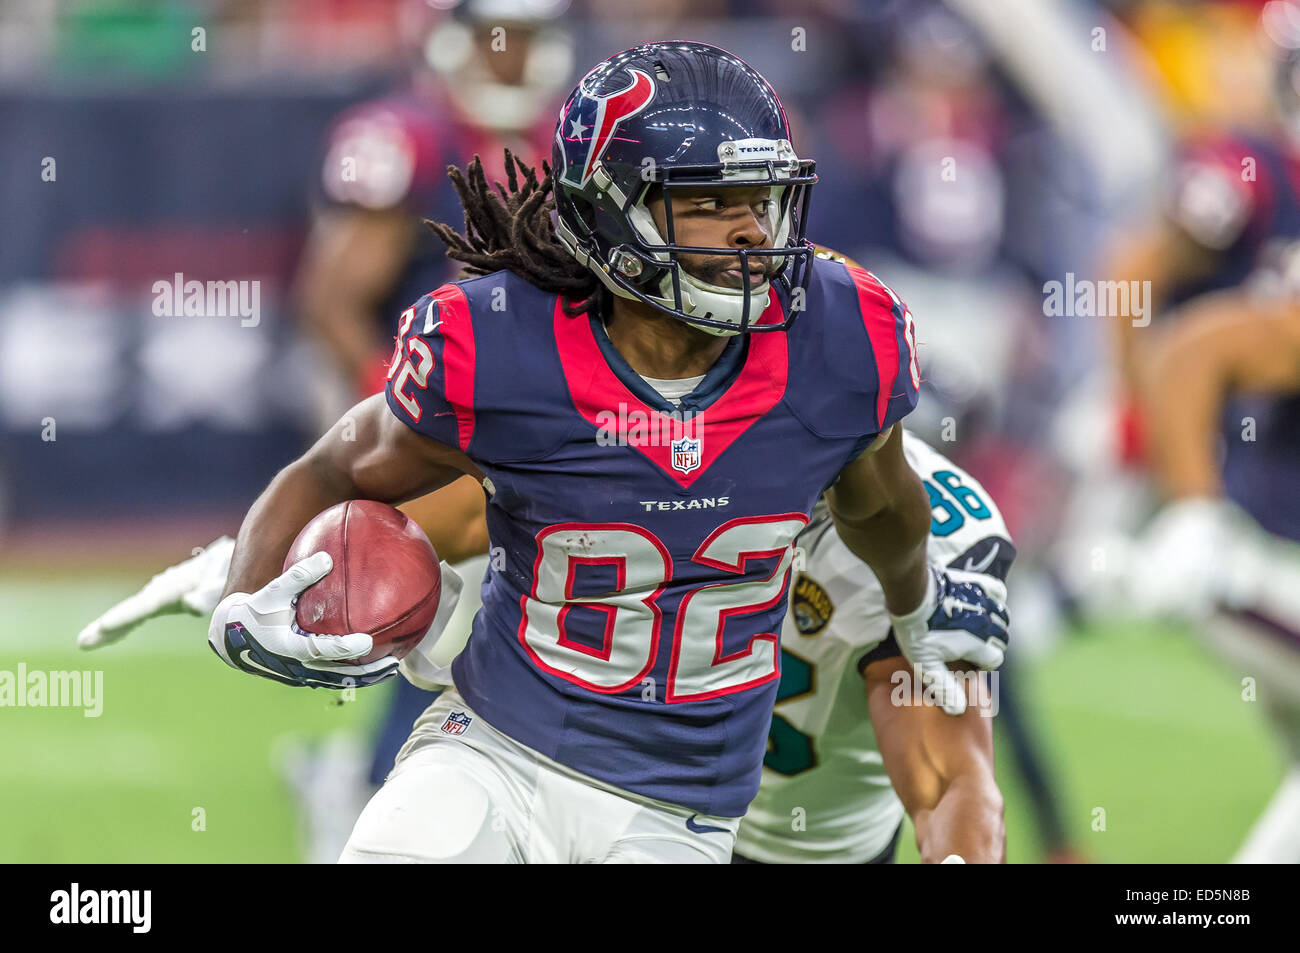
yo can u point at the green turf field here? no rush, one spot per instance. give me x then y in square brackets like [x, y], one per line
[1141, 724]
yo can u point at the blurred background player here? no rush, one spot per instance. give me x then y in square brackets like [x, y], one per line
[487, 76]
[1224, 552]
[1216, 388]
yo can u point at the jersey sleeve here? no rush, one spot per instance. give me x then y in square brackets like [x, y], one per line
[892, 335]
[430, 384]
[381, 155]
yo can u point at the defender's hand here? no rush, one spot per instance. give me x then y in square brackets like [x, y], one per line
[258, 634]
[962, 618]
[192, 586]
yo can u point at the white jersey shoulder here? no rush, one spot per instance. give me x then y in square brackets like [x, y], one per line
[966, 528]
[833, 586]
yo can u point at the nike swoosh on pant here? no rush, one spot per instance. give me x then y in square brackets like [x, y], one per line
[702, 828]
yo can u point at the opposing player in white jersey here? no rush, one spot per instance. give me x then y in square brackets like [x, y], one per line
[854, 741]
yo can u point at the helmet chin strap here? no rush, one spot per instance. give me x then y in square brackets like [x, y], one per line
[699, 298]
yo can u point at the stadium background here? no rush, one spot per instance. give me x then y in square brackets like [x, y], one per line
[206, 162]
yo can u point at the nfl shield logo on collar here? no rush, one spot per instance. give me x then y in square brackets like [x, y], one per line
[686, 454]
[456, 723]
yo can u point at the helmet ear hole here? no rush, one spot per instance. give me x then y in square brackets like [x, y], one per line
[587, 213]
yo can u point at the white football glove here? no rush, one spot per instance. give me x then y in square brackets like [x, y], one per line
[258, 633]
[962, 618]
[192, 586]
[1179, 566]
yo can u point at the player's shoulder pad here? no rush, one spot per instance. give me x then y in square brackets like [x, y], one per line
[1221, 183]
[492, 330]
[382, 154]
[854, 353]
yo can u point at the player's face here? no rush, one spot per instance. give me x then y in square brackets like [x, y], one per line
[719, 217]
[505, 61]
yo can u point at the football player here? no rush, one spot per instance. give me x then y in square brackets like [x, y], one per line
[844, 760]
[610, 378]
[1231, 218]
[384, 168]
[1224, 553]
[822, 753]
[1217, 412]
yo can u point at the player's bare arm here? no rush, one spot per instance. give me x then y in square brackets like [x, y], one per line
[453, 519]
[882, 514]
[369, 454]
[1206, 211]
[352, 260]
[1225, 344]
[942, 769]
[1160, 254]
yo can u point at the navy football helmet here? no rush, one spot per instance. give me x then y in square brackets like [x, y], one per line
[1286, 92]
[680, 115]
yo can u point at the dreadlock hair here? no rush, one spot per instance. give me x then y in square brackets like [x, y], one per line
[515, 233]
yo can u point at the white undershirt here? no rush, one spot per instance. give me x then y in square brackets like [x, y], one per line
[673, 391]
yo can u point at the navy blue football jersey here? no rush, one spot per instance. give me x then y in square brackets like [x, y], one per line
[1239, 198]
[632, 607]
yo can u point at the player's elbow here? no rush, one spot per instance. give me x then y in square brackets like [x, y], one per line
[327, 473]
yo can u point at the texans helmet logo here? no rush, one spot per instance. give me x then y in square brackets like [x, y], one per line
[588, 126]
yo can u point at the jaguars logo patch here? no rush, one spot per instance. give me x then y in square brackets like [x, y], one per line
[811, 605]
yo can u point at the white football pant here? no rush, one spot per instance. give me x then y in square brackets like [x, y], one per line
[463, 792]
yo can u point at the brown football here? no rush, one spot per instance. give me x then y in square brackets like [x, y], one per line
[385, 580]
